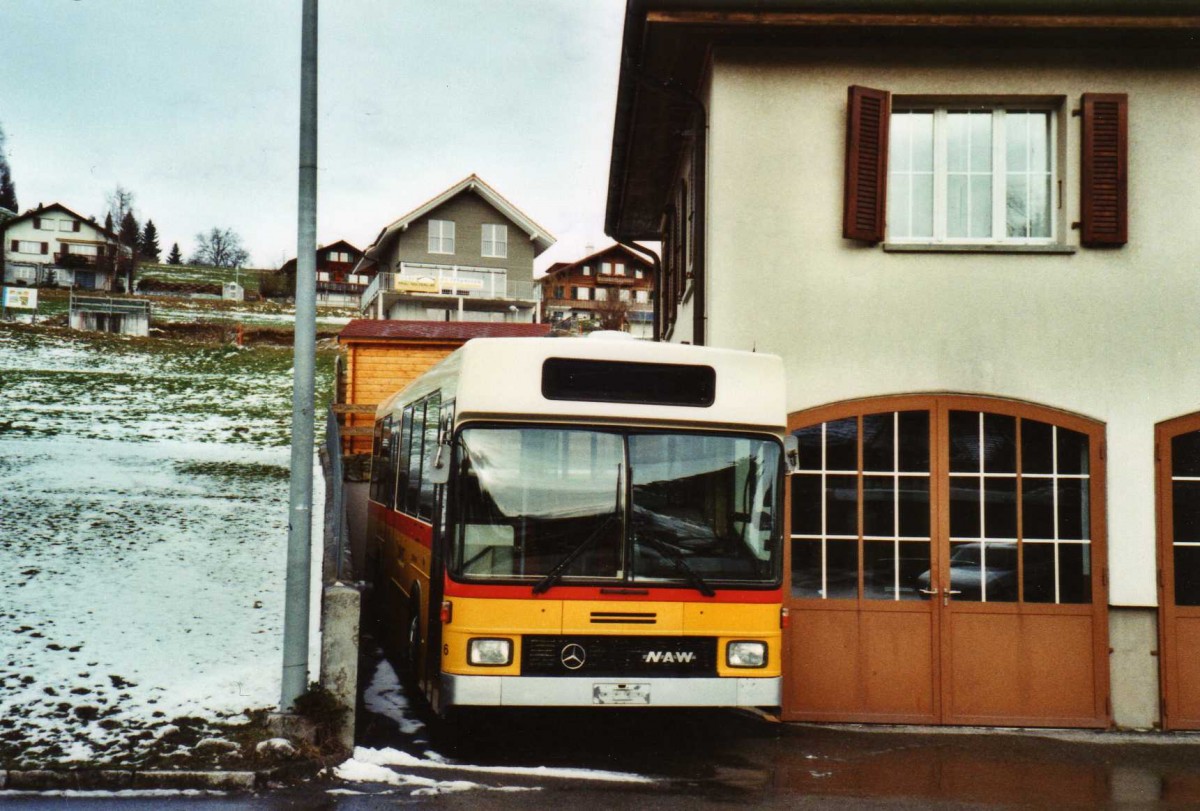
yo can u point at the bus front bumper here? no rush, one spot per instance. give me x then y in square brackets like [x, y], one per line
[573, 691]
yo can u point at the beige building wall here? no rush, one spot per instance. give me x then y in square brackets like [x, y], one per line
[1109, 334]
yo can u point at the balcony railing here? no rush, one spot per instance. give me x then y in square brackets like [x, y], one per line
[448, 281]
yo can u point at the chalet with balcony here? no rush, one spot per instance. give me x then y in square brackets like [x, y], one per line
[338, 280]
[465, 255]
[612, 288]
[52, 245]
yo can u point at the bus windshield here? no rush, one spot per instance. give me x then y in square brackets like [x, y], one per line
[646, 507]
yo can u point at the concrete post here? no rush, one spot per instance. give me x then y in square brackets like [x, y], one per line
[341, 608]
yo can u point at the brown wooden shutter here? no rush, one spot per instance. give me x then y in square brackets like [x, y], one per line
[1104, 191]
[75, 226]
[865, 193]
[37, 223]
[45, 247]
[16, 246]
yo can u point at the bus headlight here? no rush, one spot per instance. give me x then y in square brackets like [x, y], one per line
[490, 652]
[746, 654]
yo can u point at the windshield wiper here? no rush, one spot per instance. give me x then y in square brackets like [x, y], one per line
[556, 574]
[681, 565]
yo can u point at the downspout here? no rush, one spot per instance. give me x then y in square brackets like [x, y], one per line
[656, 274]
[699, 190]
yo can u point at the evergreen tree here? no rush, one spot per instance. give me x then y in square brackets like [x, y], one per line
[8, 190]
[175, 257]
[148, 244]
[129, 231]
[108, 223]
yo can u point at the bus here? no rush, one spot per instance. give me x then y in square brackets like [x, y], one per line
[568, 522]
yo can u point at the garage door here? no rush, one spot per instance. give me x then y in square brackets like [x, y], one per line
[946, 565]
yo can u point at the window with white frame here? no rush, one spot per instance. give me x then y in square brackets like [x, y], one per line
[48, 225]
[587, 270]
[601, 294]
[971, 174]
[66, 225]
[623, 295]
[82, 250]
[582, 293]
[495, 241]
[637, 274]
[339, 256]
[441, 236]
[643, 296]
[620, 268]
[28, 246]
[606, 268]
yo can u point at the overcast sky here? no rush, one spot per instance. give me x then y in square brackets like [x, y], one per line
[194, 107]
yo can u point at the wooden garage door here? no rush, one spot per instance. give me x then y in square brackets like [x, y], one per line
[946, 565]
[1178, 456]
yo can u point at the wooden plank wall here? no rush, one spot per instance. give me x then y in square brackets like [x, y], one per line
[375, 370]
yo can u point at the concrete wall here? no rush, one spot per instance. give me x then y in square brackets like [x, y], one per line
[469, 212]
[1109, 334]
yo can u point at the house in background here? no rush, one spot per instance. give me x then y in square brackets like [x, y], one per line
[612, 288]
[972, 239]
[52, 245]
[465, 255]
[337, 280]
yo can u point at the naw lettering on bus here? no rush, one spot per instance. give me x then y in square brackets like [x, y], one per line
[669, 657]
[20, 298]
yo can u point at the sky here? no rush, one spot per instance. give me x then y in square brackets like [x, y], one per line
[194, 107]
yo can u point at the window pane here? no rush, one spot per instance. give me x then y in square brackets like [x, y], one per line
[1186, 510]
[1185, 454]
[957, 142]
[966, 570]
[841, 505]
[1039, 206]
[964, 507]
[1074, 573]
[914, 507]
[964, 441]
[922, 206]
[879, 570]
[841, 444]
[1016, 142]
[806, 504]
[1072, 509]
[1017, 203]
[1037, 446]
[879, 508]
[806, 568]
[981, 142]
[981, 206]
[1000, 508]
[810, 447]
[1072, 451]
[841, 570]
[914, 441]
[957, 206]
[879, 442]
[999, 444]
[921, 127]
[1039, 140]
[1037, 508]
[914, 569]
[1039, 572]
[900, 142]
[1187, 575]
[899, 211]
[1000, 572]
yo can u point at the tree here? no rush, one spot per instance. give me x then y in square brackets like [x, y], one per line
[108, 223]
[175, 257]
[120, 203]
[8, 190]
[128, 235]
[220, 248]
[148, 243]
[612, 313]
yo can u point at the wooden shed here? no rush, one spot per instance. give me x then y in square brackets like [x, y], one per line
[382, 357]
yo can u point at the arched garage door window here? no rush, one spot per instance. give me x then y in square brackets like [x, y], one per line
[950, 523]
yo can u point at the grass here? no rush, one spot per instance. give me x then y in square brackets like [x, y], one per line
[192, 274]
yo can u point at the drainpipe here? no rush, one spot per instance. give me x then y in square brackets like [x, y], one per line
[656, 274]
[699, 189]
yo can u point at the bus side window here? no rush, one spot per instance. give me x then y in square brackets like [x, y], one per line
[414, 459]
[389, 470]
[425, 502]
[376, 461]
[401, 480]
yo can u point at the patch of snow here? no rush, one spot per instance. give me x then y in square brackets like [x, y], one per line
[276, 746]
[122, 793]
[385, 696]
[394, 757]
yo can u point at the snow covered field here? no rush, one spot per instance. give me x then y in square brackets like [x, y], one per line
[143, 525]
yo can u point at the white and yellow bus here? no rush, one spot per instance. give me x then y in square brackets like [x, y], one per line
[580, 521]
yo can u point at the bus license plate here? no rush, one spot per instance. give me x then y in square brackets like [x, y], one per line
[620, 694]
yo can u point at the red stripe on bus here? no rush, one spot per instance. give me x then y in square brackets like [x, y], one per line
[414, 528]
[613, 593]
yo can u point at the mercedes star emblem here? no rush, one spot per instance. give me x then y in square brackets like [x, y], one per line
[573, 656]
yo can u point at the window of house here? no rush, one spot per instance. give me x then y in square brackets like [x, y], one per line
[587, 270]
[637, 274]
[620, 268]
[971, 175]
[322, 276]
[441, 236]
[28, 246]
[623, 295]
[558, 292]
[66, 225]
[47, 225]
[606, 268]
[495, 241]
[643, 296]
[339, 256]
[82, 250]
[582, 294]
[601, 294]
